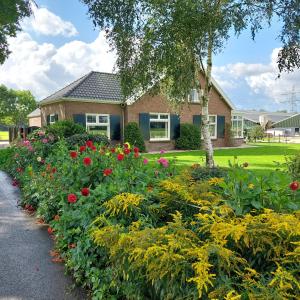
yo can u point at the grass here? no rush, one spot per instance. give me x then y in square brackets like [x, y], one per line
[3, 135]
[262, 158]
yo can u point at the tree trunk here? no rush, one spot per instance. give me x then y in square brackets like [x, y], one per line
[205, 99]
[209, 152]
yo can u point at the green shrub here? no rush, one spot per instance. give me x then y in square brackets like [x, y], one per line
[292, 166]
[204, 173]
[81, 139]
[244, 191]
[133, 135]
[5, 155]
[256, 133]
[64, 129]
[189, 139]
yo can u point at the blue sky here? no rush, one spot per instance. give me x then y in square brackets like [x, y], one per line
[60, 44]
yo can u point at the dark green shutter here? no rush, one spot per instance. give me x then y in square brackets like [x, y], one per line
[144, 123]
[175, 127]
[48, 119]
[56, 117]
[220, 126]
[80, 119]
[197, 120]
[115, 127]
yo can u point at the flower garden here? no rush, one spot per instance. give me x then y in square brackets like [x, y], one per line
[127, 228]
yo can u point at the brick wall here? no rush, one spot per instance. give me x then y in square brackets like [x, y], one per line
[53, 108]
[35, 121]
[73, 108]
[158, 104]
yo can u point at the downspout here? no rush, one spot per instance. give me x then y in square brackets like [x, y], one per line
[123, 106]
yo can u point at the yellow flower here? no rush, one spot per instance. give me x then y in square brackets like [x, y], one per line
[251, 186]
[127, 145]
[215, 181]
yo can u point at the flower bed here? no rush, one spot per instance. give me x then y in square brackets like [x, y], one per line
[126, 229]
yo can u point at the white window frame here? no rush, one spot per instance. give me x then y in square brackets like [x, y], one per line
[98, 123]
[238, 118]
[216, 126]
[194, 96]
[50, 119]
[160, 120]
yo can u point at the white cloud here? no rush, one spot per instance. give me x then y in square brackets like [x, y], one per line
[45, 22]
[260, 78]
[43, 68]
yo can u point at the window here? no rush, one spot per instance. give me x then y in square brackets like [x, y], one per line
[213, 126]
[194, 96]
[237, 126]
[52, 119]
[159, 127]
[98, 124]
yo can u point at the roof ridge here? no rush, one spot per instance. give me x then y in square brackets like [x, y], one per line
[108, 73]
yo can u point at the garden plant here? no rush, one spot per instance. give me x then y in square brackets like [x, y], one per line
[129, 229]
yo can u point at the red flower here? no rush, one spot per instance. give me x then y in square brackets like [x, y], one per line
[112, 150]
[89, 144]
[294, 186]
[82, 148]
[126, 146]
[107, 172]
[53, 170]
[85, 191]
[136, 155]
[120, 156]
[72, 198]
[136, 150]
[72, 246]
[19, 170]
[50, 230]
[87, 161]
[126, 151]
[73, 154]
[93, 148]
[15, 182]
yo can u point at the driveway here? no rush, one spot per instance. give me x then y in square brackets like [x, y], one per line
[26, 269]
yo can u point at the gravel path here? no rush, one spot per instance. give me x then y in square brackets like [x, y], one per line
[26, 269]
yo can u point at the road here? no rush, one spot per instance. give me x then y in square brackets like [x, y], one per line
[26, 269]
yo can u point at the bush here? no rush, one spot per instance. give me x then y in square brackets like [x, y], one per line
[244, 191]
[5, 155]
[189, 139]
[81, 139]
[256, 133]
[204, 173]
[64, 129]
[133, 135]
[129, 229]
[292, 166]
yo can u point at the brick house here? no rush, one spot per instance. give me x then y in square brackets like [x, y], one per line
[96, 102]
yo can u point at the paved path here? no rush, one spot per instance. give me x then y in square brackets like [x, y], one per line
[26, 269]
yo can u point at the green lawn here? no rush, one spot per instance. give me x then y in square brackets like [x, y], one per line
[260, 158]
[3, 135]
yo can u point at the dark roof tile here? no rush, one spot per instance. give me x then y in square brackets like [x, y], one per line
[94, 86]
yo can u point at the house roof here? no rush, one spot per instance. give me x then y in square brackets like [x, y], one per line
[103, 87]
[256, 116]
[290, 122]
[92, 86]
[35, 113]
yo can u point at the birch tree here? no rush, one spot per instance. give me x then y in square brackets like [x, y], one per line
[167, 44]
